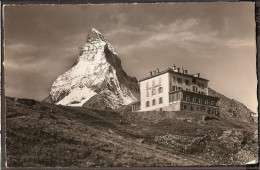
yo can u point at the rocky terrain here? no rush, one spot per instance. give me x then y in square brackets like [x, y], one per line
[230, 108]
[40, 134]
[96, 80]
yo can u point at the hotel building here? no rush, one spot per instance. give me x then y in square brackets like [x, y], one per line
[175, 90]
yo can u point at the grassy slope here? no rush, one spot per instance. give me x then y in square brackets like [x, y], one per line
[46, 135]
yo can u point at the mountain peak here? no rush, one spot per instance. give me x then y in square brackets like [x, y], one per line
[97, 75]
[95, 30]
[94, 36]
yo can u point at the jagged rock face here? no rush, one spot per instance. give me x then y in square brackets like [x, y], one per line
[97, 74]
[231, 108]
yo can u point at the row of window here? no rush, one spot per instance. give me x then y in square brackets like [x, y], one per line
[199, 100]
[192, 108]
[194, 99]
[194, 89]
[175, 88]
[160, 90]
[153, 82]
[154, 102]
[187, 82]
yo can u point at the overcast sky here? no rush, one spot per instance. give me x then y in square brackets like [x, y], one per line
[215, 39]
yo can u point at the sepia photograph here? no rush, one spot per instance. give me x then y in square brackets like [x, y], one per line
[130, 85]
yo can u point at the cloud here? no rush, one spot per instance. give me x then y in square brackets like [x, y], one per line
[240, 43]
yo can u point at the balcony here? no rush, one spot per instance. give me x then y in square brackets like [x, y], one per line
[191, 97]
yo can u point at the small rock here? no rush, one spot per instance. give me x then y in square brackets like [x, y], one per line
[140, 140]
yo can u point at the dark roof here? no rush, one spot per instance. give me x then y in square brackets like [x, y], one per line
[135, 102]
[171, 71]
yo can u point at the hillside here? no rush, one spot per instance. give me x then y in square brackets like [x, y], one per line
[230, 108]
[45, 135]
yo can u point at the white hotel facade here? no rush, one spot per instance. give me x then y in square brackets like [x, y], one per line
[175, 90]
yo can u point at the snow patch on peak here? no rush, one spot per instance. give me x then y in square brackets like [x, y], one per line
[78, 97]
[95, 30]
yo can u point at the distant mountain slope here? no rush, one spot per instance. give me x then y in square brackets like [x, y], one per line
[98, 73]
[230, 108]
[45, 135]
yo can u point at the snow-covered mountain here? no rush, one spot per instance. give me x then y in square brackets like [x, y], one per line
[97, 80]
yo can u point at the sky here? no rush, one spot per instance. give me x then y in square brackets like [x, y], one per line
[215, 39]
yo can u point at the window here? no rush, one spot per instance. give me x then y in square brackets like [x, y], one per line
[199, 100]
[187, 82]
[147, 84]
[179, 88]
[187, 98]
[173, 79]
[187, 89]
[179, 80]
[198, 108]
[191, 108]
[194, 89]
[160, 109]
[147, 93]
[160, 100]
[194, 80]
[205, 101]
[174, 88]
[184, 107]
[154, 102]
[153, 92]
[203, 93]
[202, 86]
[147, 104]
[193, 99]
[160, 90]
[179, 96]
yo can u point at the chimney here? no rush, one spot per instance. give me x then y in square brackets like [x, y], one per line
[186, 71]
[174, 67]
[151, 73]
[154, 72]
[197, 75]
[182, 70]
[178, 70]
[157, 70]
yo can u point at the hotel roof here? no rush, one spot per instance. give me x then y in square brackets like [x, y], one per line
[170, 70]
